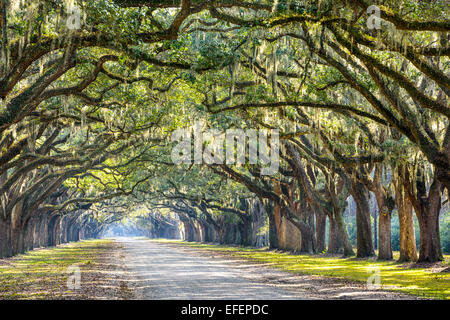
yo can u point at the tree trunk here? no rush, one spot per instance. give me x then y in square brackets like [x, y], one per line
[17, 231]
[308, 243]
[430, 245]
[428, 216]
[245, 223]
[5, 238]
[384, 239]
[210, 233]
[260, 220]
[273, 236]
[384, 224]
[36, 226]
[278, 226]
[245, 229]
[343, 234]
[375, 230]
[29, 234]
[364, 243]
[44, 231]
[408, 251]
[334, 240]
[321, 221]
[66, 232]
[51, 231]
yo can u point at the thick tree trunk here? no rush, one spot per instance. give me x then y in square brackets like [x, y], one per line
[289, 235]
[308, 241]
[408, 251]
[343, 235]
[66, 231]
[44, 231]
[430, 243]
[427, 206]
[232, 235]
[364, 243]
[384, 239]
[17, 240]
[71, 230]
[5, 238]
[189, 232]
[51, 231]
[210, 233]
[428, 215]
[200, 232]
[321, 221]
[221, 233]
[17, 230]
[278, 227]
[193, 231]
[384, 224]
[29, 234]
[258, 218]
[76, 233]
[273, 237]
[57, 231]
[245, 229]
[334, 240]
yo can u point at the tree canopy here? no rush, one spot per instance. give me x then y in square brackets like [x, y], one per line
[93, 91]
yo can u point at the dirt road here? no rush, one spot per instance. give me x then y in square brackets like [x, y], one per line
[167, 271]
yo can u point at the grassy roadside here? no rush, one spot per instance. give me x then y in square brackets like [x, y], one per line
[425, 282]
[43, 273]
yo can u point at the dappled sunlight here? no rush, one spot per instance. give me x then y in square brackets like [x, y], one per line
[42, 273]
[419, 281]
[165, 274]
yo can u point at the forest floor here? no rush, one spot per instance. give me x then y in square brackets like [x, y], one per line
[430, 280]
[44, 273]
[139, 268]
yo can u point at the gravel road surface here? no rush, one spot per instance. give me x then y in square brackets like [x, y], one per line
[171, 271]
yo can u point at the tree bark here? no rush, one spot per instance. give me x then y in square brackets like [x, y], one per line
[29, 234]
[343, 234]
[384, 224]
[384, 239]
[375, 230]
[428, 215]
[364, 243]
[273, 237]
[427, 206]
[17, 231]
[321, 221]
[5, 238]
[408, 251]
[308, 241]
[334, 240]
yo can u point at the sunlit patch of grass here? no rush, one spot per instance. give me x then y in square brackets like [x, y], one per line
[394, 276]
[42, 274]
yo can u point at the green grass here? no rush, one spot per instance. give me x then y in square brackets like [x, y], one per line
[395, 276]
[43, 273]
